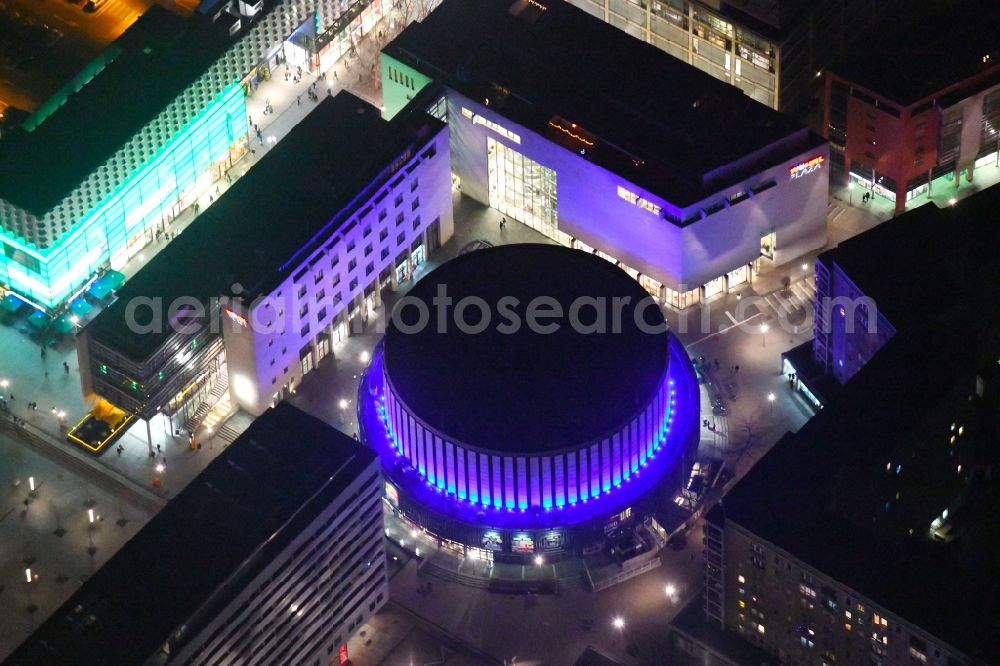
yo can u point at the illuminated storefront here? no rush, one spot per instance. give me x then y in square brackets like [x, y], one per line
[339, 38]
[128, 220]
[127, 184]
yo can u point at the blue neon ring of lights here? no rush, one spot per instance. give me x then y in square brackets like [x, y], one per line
[675, 431]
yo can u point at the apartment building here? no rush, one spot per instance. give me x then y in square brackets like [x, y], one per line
[274, 554]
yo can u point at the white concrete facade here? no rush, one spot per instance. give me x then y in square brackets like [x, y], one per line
[311, 597]
[391, 226]
[709, 239]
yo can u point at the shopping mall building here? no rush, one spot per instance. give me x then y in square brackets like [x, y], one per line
[685, 182]
[263, 284]
[145, 130]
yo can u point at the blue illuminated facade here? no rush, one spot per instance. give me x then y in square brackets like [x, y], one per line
[481, 498]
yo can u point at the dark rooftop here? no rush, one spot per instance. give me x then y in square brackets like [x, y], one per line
[161, 54]
[907, 267]
[772, 18]
[224, 527]
[691, 621]
[303, 188]
[652, 118]
[824, 494]
[591, 657]
[927, 48]
[525, 391]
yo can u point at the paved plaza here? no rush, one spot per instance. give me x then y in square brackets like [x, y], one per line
[49, 532]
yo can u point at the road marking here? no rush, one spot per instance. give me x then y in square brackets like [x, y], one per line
[724, 329]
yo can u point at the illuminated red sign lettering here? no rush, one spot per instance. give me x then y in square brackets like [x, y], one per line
[800, 170]
[237, 319]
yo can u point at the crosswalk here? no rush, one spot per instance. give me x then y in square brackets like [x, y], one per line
[798, 296]
[834, 209]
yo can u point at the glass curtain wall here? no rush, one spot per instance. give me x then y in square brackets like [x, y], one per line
[523, 189]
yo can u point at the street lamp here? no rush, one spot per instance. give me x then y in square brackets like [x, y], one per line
[342, 404]
[365, 356]
[771, 398]
[671, 591]
[952, 201]
[618, 623]
[160, 468]
[763, 334]
[850, 188]
[539, 560]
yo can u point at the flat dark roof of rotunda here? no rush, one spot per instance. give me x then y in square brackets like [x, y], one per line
[526, 392]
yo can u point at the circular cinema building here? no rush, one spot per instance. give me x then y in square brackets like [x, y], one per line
[526, 397]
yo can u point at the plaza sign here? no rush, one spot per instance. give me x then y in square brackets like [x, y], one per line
[800, 170]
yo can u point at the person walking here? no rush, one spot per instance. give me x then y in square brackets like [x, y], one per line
[66, 367]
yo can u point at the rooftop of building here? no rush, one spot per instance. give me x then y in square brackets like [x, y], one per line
[590, 87]
[853, 493]
[914, 265]
[692, 623]
[826, 496]
[205, 545]
[524, 391]
[299, 193]
[771, 18]
[591, 657]
[926, 49]
[154, 61]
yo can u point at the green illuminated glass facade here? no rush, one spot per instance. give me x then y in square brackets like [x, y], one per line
[127, 219]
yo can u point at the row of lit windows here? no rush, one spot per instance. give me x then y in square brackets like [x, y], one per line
[155, 187]
[310, 574]
[324, 290]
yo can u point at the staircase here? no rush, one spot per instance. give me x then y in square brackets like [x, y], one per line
[220, 389]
